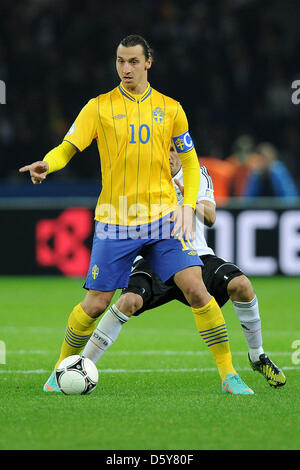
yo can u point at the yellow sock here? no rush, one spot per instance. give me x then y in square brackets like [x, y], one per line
[211, 326]
[79, 329]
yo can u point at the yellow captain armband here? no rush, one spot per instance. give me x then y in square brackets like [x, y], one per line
[58, 157]
[191, 177]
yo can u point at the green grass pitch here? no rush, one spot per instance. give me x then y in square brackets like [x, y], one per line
[158, 385]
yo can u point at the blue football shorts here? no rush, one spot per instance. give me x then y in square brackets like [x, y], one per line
[116, 247]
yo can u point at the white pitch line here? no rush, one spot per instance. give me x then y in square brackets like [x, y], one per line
[35, 371]
[21, 352]
[139, 371]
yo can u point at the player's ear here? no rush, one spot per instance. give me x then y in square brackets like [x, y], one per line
[148, 64]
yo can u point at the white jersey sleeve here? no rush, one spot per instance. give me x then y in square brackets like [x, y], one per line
[206, 188]
[205, 193]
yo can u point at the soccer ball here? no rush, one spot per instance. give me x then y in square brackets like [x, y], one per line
[76, 375]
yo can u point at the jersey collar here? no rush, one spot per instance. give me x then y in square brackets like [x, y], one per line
[133, 97]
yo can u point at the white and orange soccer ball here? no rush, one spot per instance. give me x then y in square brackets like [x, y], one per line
[77, 375]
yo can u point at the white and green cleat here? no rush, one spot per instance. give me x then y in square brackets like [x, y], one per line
[274, 376]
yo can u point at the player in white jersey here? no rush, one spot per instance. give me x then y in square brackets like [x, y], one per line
[205, 193]
[223, 279]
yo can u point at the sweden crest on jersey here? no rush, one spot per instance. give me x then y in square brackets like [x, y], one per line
[158, 114]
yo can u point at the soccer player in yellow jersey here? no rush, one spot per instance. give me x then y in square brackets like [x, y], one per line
[137, 208]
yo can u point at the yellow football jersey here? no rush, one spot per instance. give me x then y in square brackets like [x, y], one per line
[133, 134]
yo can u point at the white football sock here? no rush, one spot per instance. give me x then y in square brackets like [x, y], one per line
[105, 334]
[248, 314]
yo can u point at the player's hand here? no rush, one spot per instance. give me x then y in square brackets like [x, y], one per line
[38, 171]
[184, 223]
[180, 186]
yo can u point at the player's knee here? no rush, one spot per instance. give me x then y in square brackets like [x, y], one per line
[95, 302]
[196, 294]
[190, 282]
[240, 289]
[129, 303]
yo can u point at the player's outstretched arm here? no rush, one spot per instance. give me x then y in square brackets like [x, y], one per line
[38, 171]
[55, 160]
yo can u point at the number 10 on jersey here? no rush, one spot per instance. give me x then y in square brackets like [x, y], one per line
[142, 133]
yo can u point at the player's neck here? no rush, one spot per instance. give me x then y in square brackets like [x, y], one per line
[139, 89]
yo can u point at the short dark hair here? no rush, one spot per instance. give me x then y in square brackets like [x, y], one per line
[135, 40]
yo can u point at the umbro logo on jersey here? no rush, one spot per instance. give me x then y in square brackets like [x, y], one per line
[119, 116]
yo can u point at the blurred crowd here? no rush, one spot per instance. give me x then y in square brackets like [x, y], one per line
[230, 63]
[251, 171]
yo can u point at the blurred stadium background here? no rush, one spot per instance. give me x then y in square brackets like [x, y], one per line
[232, 65]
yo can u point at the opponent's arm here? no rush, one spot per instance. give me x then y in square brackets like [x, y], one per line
[205, 210]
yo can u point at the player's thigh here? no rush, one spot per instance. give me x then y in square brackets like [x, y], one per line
[111, 262]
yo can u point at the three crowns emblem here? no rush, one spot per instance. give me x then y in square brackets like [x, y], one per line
[158, 114]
